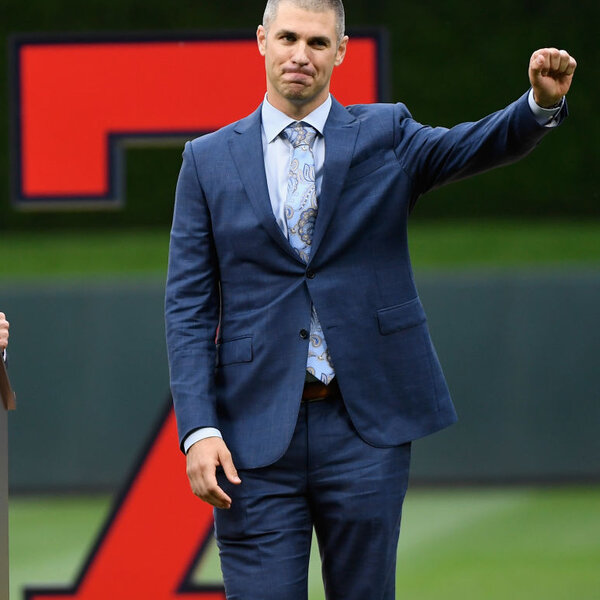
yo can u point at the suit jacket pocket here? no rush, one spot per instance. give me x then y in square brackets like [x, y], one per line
[401, 316]
[238, 350]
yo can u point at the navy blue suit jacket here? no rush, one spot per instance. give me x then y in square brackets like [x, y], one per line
[232, 270]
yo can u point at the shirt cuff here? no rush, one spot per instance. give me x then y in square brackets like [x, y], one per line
[547, 117]
[198, 435]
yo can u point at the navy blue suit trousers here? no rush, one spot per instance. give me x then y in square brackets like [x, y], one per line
[329, 477]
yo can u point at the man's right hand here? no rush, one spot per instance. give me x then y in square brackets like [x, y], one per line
[203, 458]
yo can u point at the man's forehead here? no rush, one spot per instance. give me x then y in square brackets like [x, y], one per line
[291, 17]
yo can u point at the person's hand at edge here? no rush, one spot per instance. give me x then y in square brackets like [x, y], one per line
[4, 326]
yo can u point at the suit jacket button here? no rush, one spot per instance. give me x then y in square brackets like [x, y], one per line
[304, 334]
[310, 274]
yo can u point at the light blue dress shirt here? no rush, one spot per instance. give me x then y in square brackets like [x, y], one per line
[277, 154]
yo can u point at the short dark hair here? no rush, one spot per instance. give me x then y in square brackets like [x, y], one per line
[317, 5]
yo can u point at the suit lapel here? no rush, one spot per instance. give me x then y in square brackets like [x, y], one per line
[341, 130]
[246, 148]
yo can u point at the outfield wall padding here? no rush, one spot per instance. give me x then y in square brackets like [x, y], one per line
[520, 352]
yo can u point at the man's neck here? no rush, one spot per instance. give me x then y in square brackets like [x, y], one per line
[295, 111]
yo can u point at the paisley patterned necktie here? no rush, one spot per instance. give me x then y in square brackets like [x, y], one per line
[300, 214]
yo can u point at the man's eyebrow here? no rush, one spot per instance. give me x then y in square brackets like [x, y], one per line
[285, 33]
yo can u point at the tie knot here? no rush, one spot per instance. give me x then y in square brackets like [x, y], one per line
[300, 134]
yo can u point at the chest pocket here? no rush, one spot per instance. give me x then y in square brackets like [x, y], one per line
[369, 165]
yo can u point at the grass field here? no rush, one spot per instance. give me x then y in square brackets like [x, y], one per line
[494, 244]
[456, 544]
[463, 544]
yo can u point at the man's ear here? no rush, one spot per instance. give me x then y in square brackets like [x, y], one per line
[261, 38]
[341, 51]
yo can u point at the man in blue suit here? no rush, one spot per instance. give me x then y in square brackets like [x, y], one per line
[289, 249]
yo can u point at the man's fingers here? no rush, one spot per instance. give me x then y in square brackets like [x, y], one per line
[213, 494]
[571, 66]
[228, 467]
[563, 62]
[552, 60]
[538, 63]
[567, 64]
[204, 485]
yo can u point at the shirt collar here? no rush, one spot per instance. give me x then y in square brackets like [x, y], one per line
[274, 121]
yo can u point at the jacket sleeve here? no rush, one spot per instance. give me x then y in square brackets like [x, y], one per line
[433, 156]
[192, 303]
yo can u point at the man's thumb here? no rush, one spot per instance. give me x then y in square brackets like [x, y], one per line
[229, 468]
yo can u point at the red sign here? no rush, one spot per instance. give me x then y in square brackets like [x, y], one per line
[78, 101]
[156, 535]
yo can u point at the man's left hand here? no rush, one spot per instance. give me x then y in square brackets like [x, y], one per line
[550, 73]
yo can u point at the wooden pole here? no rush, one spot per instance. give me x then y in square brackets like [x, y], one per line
[4, 573]
[7, 403]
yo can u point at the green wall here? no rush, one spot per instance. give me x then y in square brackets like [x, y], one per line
[449, 61]
[520, 353]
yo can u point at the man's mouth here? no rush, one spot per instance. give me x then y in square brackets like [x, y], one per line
[297, 77]
[299, 72]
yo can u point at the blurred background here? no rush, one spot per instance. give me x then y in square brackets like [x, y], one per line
[504, 504]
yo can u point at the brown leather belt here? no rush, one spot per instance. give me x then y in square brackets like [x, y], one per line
[315, 390]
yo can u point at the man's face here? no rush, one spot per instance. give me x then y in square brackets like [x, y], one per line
[300, 50]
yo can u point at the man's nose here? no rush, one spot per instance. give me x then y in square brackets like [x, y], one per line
[300, 56]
